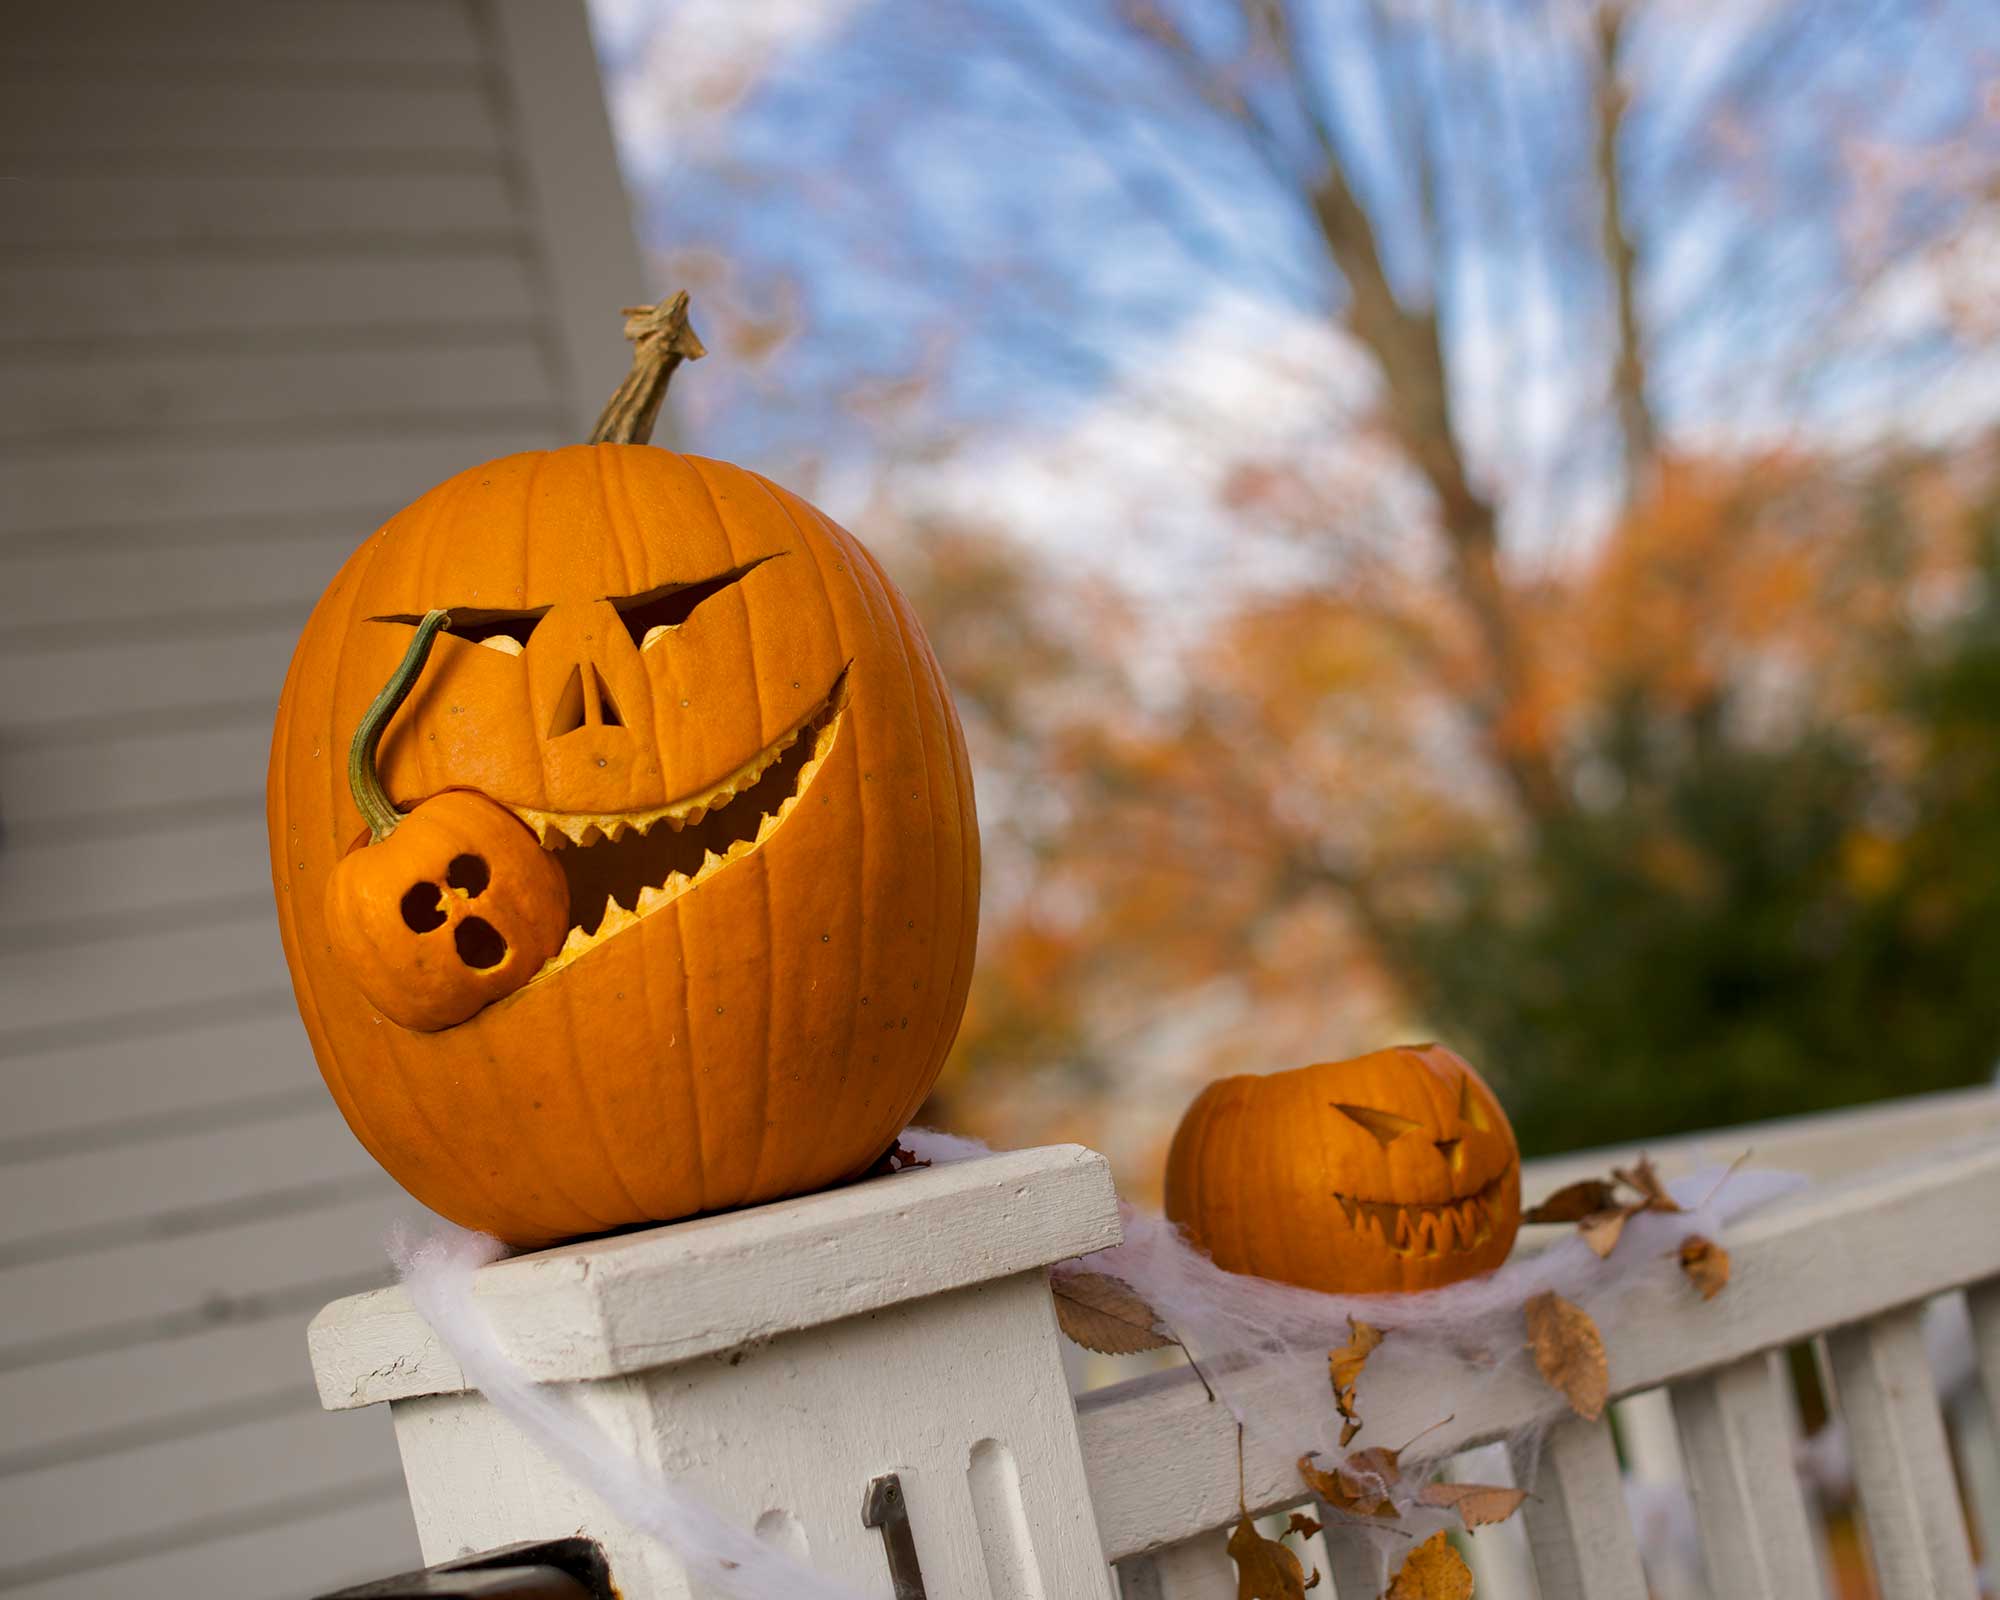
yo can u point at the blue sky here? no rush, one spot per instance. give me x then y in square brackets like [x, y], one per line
[995, 193]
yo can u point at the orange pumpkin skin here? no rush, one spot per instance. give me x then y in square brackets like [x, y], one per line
[454, 910]
[1393, 1171]
[764, 1029]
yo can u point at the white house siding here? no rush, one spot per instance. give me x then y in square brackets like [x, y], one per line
[267, 270]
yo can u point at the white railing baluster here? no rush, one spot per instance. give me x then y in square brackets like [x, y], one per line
[1902, 1467]
[1354, 1564]
[1650, 1440]
[1578, 1530]
[1737, 1443]
[1983, 1301]
[1195, 1569]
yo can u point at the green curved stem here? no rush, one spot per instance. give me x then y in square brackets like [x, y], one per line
[377, 809]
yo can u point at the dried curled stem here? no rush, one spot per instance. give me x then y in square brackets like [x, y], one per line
[661, 341]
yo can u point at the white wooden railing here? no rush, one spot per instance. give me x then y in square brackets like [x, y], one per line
[781, 1360]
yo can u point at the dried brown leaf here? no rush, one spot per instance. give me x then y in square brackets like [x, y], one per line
[1477, 1504]
[1265, 1569]
[1706, 1264]
[1359, 1485]
[1573, 1202]
[1432, 1571]
[1569, 1353]
[1303, 1526]
[1645, 1180]
[1602, 1230]
[1102, 1314]
[1344, 1368]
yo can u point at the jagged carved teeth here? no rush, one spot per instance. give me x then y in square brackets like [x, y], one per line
[1421, 1228]
[623, 867]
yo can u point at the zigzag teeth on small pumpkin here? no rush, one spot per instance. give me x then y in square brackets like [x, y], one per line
[651, 899]
[616, 919]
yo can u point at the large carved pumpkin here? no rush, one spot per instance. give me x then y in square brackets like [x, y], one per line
[1395, 1170]
[708, 706]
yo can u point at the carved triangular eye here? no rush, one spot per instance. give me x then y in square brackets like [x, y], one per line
[1470, 1111]
[1385, 1126]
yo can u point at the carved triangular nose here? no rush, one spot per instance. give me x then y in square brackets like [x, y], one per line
[585, 702]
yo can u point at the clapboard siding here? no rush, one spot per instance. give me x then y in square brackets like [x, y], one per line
[204, 1069]
[132, 487]
[120, 393]
[96, 1192]
[98, 674]
[94, 1404]
[204, 34]
[326, 1541]
[91, 210]
[123, 1295]
[268, 270]
[40, 594]
[228, 295]
[149, 1490]
[52, 983]
[190, 857]
[57, 785]
[46, 120]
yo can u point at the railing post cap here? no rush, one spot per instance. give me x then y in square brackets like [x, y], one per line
[616, 1306]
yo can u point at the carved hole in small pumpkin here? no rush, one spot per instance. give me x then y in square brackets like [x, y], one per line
[479, 943]
[607, 708]
[469, 873]
[423, 908]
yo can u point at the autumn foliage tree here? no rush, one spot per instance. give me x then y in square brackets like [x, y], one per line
[1616, 708]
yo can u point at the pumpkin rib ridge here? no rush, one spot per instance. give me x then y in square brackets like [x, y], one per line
[765, 1064]
[580, 1086]
[694, 1074]
[847, 1060]
[905, 623]
[885, 593]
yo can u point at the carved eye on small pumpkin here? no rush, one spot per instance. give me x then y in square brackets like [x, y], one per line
[1385, 1127]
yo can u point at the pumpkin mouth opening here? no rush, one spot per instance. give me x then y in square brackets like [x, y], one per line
[624, 866]
[1423, 1229]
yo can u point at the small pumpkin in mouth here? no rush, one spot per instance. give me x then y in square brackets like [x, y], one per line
[1395, 1170]
[739, 950]
[442, 912]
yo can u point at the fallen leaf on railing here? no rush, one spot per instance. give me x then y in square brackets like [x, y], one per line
[1432, 1571]
[1265, 1569]
[1103, 1314]
[1344, 1368]
[1477, 1504]
[1359, 1486]
[1573, 1202]
[1706, 1264]
[1569, 1353]
[1593, 1204]
[1642, 1177]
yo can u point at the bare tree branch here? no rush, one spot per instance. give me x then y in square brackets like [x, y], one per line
[1637, 432]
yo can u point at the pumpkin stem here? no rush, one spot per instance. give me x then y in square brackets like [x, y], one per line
[363, 780]
[661, 341]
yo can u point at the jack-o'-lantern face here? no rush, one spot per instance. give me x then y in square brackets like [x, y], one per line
[1395, 1170]
[719, 719]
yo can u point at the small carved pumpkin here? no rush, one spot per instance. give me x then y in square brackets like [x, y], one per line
[1395, 1170]
[717, 723]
